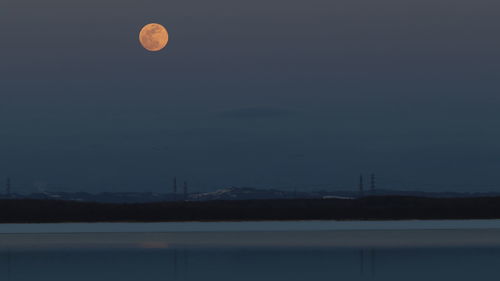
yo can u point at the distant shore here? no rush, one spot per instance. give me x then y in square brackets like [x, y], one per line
[339, 234]
[339, 239]
[367, 208]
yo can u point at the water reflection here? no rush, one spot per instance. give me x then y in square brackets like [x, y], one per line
[184, 264]
[367, 262]
[8, 265]
[372, 262]
[361, 262]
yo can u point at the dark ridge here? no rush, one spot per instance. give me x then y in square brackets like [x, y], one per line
[367, 208]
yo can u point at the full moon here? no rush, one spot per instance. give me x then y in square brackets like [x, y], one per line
[153, 37]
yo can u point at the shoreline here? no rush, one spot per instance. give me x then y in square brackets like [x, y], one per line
[247, 226]
[393, 208]
[307, 234]
[265, 239]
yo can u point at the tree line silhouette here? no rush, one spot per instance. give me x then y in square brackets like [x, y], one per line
[366, 208]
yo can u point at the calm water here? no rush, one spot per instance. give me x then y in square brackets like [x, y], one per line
[247, 226]
[252, 264]
[422, 252]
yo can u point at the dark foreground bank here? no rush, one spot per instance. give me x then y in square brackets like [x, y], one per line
[368, 208]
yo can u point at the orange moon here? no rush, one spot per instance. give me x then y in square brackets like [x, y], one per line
[153, 37]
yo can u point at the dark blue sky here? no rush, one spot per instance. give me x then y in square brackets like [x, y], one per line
[250, 93]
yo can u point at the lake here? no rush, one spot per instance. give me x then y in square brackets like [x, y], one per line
[405, 250]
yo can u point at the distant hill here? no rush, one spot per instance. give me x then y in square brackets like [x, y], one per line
[366, 208]
[231, 193]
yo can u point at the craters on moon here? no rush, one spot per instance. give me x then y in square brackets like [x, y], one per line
[153, 37]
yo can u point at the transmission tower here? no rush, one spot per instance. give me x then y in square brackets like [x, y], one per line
[361, 191]
[8, 187]
[175, 188]
[185, 191]
[372, 183]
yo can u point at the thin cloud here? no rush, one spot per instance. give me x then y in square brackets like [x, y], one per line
[257, 113]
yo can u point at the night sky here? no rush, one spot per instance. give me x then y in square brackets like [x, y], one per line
[265, 93]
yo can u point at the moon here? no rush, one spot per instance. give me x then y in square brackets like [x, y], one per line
[153, 37]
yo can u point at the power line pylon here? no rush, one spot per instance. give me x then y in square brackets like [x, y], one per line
[361, 191]
[372, 183]
[175, 188]
[185, 191]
